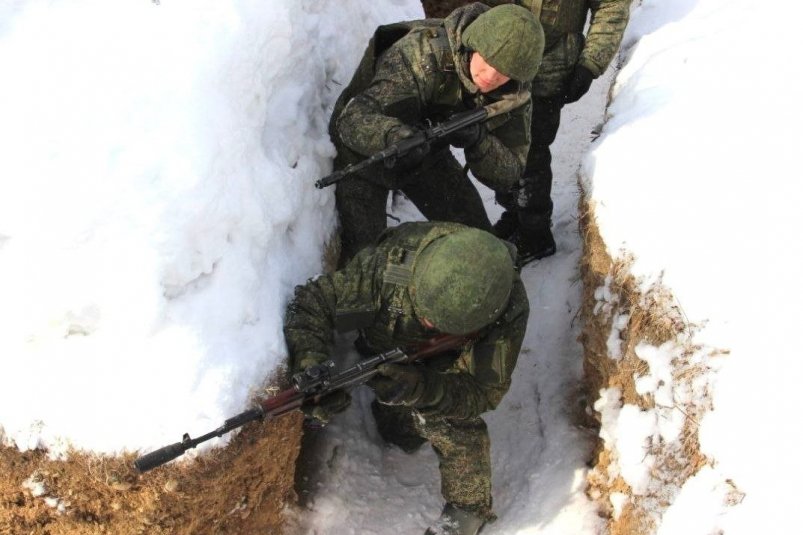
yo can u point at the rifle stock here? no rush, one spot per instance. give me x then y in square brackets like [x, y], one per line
[308, 386]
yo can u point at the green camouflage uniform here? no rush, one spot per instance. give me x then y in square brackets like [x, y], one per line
[372, 295]
[414, 72]
[566, 46]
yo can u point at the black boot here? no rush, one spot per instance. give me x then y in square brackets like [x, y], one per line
[456, 521]
[506, 226]
[533, 244]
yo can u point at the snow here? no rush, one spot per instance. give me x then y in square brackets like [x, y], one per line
[36, 487]
[618, 501]
[157, 208]
[693, 178]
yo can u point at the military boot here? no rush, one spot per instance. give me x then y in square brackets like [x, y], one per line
[506, 226]
[533, 238]
[533, 245]
[456, 521]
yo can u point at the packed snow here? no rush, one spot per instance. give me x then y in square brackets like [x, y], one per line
[157, 208]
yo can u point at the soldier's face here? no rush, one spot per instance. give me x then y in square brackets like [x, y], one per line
[486, 77]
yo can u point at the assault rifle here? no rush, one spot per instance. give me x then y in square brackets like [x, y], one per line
[308, 386]
[402, 147]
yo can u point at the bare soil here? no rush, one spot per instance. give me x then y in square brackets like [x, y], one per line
[242, 489]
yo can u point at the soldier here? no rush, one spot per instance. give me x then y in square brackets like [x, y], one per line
[419, 280]
[572, 60]
[427, 70]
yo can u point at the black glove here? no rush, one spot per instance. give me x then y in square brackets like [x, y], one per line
[413, 158]
[397, 384]
[305, 362]
[327, 406]
[578, 84]
[468, 136]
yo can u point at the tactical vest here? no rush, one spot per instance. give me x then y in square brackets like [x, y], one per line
[558, 17]
[398, 318]
[395, 316]
[488, 365]
[395, 323]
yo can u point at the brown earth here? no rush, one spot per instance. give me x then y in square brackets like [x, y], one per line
[240, 489]
[654, 318]
[245, 488]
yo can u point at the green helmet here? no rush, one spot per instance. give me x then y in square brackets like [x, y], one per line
[510, 39]
[461, 281]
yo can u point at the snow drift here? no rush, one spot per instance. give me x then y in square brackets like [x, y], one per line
[157, 207]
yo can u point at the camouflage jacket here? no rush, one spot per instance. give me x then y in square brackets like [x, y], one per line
[414, 72]
[371, 295]
[566, 46]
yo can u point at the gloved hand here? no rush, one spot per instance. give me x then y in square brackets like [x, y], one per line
[578, 84]
[413, 158]
[305, 362]
[468, 136]
[397, 384]
[327, 406]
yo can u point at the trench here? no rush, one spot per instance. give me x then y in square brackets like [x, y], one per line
[544, 439]
[551, 469]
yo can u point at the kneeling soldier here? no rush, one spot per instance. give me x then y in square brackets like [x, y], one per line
[420, 280]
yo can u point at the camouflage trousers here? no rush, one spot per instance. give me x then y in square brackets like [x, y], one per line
[439, 188]
[463, 448]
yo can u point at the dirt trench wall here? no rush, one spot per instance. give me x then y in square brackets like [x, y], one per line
[620, 321]
[244, 488]
[240, 489]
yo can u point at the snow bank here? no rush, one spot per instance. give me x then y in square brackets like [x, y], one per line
[694, 176]
[157, 207]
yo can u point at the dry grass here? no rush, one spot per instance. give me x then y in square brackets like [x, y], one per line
[243, 488]
[654, 318]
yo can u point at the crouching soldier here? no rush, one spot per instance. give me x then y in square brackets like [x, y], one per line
[420, 72]
[420, 280]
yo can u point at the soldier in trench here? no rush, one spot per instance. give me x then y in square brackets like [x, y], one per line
[417, 281]
[425, 71]
[572, 60]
